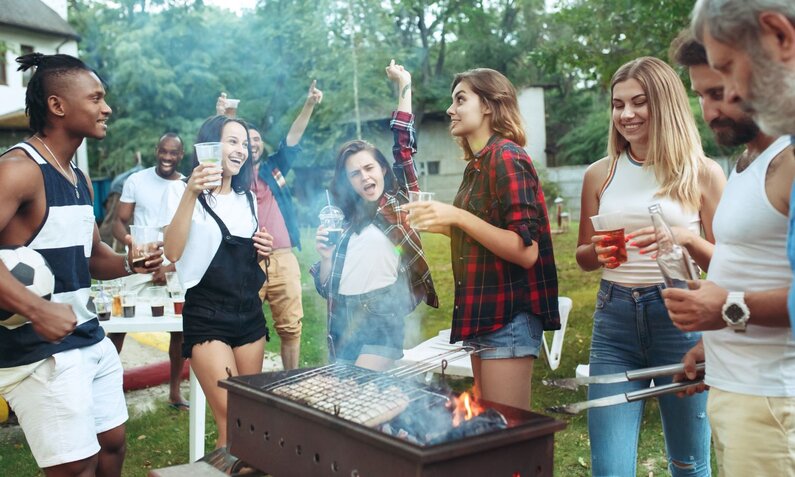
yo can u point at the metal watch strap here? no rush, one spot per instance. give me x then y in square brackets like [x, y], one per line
[127, 267]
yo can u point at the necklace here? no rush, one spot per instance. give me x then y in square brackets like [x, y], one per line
[73, 182]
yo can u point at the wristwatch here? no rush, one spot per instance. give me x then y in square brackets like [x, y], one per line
[735, 312]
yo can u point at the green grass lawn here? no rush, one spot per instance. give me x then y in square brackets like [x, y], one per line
[160, 438]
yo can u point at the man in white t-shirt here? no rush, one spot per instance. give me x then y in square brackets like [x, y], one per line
[141, 200]
[750, 357]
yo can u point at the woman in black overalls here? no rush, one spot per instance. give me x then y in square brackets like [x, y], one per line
[223, 324]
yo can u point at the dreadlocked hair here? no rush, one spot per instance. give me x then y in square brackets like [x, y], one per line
[49, 69]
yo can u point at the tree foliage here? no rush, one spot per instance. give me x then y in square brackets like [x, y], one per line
[166, 61]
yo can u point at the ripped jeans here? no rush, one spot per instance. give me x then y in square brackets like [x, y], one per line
[632, 330]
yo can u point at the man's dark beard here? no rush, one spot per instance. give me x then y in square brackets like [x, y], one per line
[733, 133]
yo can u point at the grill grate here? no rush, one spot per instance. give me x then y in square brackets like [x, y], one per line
[352, 393]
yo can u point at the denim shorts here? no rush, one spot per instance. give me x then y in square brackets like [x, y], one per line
[519, 338]
[370, 323]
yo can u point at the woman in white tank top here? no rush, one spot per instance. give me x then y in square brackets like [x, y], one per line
[654, 155]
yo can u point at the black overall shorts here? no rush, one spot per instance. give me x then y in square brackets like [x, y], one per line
[225, 305]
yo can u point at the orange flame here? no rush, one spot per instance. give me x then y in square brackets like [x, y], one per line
[466, 407]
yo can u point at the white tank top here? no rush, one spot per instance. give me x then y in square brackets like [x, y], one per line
[631, 189]
[751, 255]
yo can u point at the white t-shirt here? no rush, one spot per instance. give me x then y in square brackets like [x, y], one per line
[145, 189]
[371, 262]
[205, 235]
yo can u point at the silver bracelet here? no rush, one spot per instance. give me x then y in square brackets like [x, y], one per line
[127, 267]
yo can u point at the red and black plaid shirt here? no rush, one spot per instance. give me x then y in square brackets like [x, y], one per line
[501, 186]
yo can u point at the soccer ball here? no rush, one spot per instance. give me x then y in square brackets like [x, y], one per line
[33, 271]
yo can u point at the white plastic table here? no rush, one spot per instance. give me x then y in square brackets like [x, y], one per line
[142, 323]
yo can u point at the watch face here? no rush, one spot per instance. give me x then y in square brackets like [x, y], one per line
[734, 313]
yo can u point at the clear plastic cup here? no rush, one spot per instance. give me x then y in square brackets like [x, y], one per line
[128, 301]
[156, 297]
[231, 107]
[611, 226]
[419, 196]
[175, 291]
[331, 218]
[144, 242]
[209, 153]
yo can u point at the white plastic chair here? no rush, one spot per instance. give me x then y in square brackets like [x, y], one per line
[553, 353]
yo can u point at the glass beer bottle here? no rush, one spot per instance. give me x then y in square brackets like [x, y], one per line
[673, 259]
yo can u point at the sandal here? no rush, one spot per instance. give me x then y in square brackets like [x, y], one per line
[179, 406]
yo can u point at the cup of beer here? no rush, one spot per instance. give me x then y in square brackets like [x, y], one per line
[331, 218]
[610, 226]
[128, 301]
[144, 242]
[175, 291]
[209, 153]
[418, 196]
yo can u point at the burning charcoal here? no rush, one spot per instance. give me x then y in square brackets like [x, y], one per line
[487, 421]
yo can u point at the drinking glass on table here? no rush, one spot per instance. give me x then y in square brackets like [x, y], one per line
[175, 291]
[156, 296]
[128, 301]
[144, 242]
[419, 196]
[610, 226]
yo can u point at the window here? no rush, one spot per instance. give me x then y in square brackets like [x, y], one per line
[3, 66]
[26, 50]
[432, 168]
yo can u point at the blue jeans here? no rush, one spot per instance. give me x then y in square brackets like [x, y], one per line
[632, 330]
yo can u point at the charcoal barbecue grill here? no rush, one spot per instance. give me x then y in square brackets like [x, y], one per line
[320, 422]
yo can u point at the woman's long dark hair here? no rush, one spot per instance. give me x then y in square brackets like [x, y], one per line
[211, 131]
[358, 211]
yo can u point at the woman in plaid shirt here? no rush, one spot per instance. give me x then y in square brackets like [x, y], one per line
[506, 287]
[376, 273]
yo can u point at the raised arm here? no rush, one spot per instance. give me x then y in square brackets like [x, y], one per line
[402, 124]
[296, 132]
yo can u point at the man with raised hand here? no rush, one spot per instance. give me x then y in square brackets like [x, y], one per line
[276, 213]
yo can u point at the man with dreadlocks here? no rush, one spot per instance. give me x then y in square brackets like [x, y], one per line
[58, 372]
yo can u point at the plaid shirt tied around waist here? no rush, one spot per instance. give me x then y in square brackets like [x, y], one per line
[501, 187]
[391, 219]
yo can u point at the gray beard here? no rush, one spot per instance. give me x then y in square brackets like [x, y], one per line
[772, 96]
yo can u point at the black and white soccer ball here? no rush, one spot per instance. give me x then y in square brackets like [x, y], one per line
[29, 267]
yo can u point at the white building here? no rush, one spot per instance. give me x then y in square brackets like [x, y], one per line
[27, 26]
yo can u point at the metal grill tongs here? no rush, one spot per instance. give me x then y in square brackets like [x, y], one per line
[633, 375]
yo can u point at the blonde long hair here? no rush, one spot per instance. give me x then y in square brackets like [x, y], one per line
[675, 153]
[498, 93]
